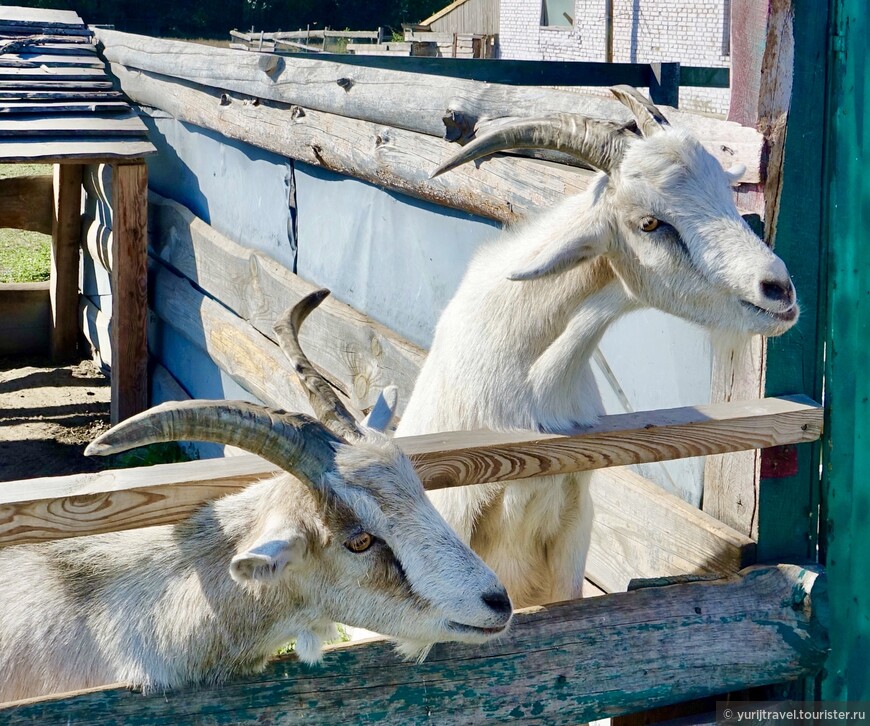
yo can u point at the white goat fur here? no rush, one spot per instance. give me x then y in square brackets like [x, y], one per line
[218, 594]
[512, 348]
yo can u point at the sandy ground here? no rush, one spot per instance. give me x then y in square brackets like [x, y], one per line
[47, 417]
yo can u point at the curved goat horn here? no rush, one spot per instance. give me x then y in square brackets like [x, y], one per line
[649, 119]
[293, 441]
[326, 404]
[598, 143]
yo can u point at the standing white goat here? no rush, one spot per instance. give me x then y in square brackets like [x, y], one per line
[347, 535]
[656, 228]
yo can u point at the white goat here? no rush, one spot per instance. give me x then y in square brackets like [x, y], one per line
[347, 535]
[656, 228]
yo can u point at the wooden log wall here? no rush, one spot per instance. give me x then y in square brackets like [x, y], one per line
[380, 125]
[563, 664]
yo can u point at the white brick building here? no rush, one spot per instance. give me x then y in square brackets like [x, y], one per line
[693, 32]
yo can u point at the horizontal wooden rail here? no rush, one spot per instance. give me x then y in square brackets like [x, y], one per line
[38, 510]
[562, 664]
[428, 104]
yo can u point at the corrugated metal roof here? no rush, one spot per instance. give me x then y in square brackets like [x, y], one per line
[57, 102]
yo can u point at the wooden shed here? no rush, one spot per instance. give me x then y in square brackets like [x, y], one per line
[58, 106]
[465, 16]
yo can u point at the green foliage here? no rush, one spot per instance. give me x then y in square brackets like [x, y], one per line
[24, 256]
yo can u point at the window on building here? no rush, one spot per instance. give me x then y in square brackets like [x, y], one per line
[559, 13]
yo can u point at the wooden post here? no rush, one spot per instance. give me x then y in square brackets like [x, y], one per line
[129, 290]
[65, 240]
[846, 489]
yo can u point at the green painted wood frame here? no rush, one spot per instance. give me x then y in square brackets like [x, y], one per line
[846, 453]
[788, 507]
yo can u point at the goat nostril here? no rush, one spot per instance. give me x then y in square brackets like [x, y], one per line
[777, 291]
[498, 601]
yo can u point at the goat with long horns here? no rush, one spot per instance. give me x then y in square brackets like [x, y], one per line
[346, 535]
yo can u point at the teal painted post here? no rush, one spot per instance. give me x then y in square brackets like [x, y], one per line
[846, 483]
[787, 508]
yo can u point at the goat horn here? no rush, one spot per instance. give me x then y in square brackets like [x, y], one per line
[293, 441]
[649, 118]
[598, 143]
[326, 404]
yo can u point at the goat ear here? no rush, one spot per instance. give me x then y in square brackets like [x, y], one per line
[560, 255]
[266, 561]
[382, 412]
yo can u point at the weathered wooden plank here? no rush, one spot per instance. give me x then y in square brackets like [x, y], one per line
[502, 189]
[361, 355]
[129, 290]
[52, 85]
[792, 96]
[50, 60]
[97, 240]
[40, 17]
[54, 49]
[846, 489]
[44, 72]
[731, 480]
[61, 95]
[70, 150]
[75, 125]
[641, 531]
[562, 664]
[26, 202]
[65, 242]
[236, 347]
[13, 41]
[412, 101]
[24, 29]
[124, 500]
[63, 107]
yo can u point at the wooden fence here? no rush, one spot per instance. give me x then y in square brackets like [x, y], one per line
[569, 662]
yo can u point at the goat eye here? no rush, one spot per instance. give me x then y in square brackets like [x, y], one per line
[649, 224]
[360, 542]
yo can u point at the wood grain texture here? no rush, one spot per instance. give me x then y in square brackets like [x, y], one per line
[42, 72]
[470, 457]
[360, 355]
[27, 202]
[641, 531]
[562, 664]
[129, 290]
[39, 60]
[75, 125]
[502, 188]
[411, 101]
[255, 362]
[97, 240]
[478, 457]
[73, 150]
[64, 279]
[731, 480]
[788, 507]
[11, 108]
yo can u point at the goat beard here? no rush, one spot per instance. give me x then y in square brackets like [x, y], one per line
[413, 650]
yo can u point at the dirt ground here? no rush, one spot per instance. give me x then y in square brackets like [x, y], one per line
[48, 415]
